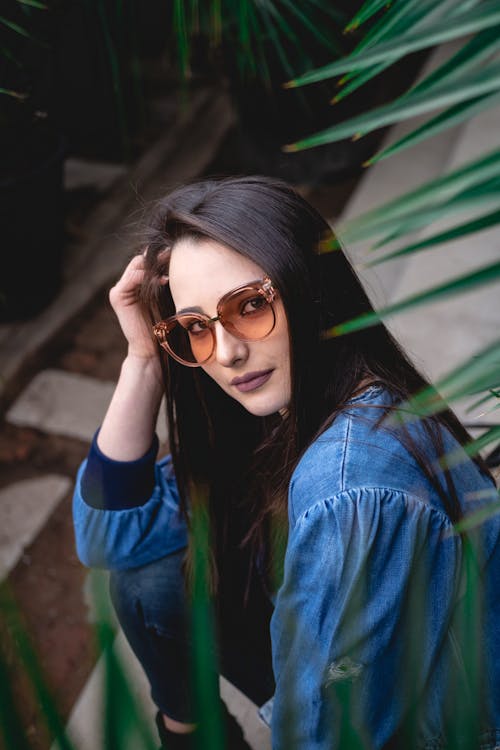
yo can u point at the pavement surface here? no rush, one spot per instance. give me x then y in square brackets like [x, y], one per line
[59, 370]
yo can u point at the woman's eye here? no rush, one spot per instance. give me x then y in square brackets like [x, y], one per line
[197, 327]
[253, 305]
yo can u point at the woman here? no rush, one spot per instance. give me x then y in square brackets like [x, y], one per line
[279, 430]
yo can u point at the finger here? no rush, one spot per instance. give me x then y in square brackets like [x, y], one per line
[132, 277]
[136, 262]
[129, 280]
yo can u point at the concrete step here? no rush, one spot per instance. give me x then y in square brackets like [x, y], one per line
[24, 509]
[86, 723]
[64, 403]
[85, 173]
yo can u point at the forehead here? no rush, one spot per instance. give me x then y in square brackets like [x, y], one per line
[201, 271]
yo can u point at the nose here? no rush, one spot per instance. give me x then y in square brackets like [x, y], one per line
[228, 348]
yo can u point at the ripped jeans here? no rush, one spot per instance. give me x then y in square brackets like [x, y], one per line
[150, 603]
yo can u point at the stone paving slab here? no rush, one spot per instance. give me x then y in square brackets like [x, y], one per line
[85, 725]
[64, 403]
[84, 173]
[24, 509]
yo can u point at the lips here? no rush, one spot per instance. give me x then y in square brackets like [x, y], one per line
[251, 380]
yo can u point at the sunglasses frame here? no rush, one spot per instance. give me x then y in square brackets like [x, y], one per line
[263, 286]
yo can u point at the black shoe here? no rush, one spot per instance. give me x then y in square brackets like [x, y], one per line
[175, 741]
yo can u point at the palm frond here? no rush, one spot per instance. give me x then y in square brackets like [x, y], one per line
[472, 448]
[478, 517]
[33, 4]
[465, 283]
[468, 201]
[22, 31]
[480, 373]
[462, 230]
[366, 12]
[384, 218]
[477, 19]
[448, 119]
[402, 16]
[484, 81]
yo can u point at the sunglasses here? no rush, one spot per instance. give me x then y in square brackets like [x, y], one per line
[246, 312]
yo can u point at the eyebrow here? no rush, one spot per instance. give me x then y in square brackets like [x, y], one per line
[191, 309]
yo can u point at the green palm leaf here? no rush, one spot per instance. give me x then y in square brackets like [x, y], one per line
[480, 373]
[473, 520]
[469, 200]
[448, 119]
[402, 17]
[247, 26]
[356, 81]
[323, 39]
[181, 35]
[18, 29]
[123, 716]
[472, 448]
[477, 19]
[33, 669]
[492, 394]
[11, 727]
[33, 4]
[476, 50]
[14, 94]
[409, 105]
[203, 628]
[462, 230]
[368, 10]
[465, 283]
[384, 218]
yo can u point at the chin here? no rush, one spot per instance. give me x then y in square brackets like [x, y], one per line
[266, 406]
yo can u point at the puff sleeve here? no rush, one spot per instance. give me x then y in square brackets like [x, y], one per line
[361, 618]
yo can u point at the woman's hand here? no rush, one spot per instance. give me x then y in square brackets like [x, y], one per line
[128, 427]
[124, 299]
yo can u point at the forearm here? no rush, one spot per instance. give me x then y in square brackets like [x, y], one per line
[128, 427]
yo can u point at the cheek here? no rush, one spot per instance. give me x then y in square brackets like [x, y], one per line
[282, 333]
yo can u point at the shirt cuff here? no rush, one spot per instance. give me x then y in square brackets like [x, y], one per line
[117, 485]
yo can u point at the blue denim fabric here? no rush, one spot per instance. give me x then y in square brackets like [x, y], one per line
[373, 580]
[373, 584]
[138, 535]
[151, 605]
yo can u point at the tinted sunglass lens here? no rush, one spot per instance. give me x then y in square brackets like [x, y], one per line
[191, 340]
[249, 315]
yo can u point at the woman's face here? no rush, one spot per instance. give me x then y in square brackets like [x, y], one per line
[200, 273]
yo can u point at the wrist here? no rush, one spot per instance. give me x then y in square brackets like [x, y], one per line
[146, 367]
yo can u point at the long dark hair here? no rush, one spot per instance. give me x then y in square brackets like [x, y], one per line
[268, 222]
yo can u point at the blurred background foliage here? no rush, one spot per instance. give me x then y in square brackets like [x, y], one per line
[61, 60]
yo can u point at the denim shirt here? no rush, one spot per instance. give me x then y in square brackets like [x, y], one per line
[368, 642]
